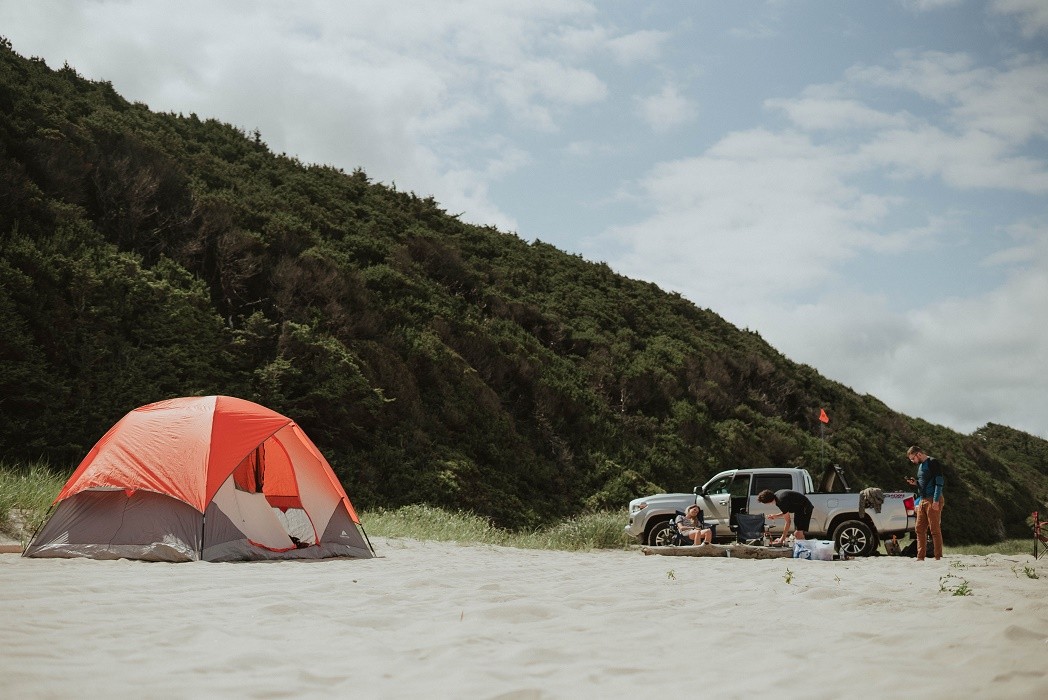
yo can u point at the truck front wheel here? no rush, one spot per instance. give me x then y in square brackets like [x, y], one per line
[854, 538]
[661, 534]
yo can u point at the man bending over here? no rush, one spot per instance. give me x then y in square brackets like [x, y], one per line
[791, 503]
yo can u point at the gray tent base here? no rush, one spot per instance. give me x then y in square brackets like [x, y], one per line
[110, 524]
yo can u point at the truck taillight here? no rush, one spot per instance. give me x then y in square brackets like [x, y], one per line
[908, 504]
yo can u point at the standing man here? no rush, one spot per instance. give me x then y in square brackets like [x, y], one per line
[789, 502]
[929, 483]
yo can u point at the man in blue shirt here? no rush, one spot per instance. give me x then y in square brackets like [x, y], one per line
[929, 483]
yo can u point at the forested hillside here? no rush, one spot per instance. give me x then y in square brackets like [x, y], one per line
[145, 256]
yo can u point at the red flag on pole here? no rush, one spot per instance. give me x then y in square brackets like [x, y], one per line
[822, 416]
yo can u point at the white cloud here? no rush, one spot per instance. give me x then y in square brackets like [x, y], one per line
[934, 75]
[582, 41]
[760, 215]
[667, 109]
[830, 113]
[1010, 102]
[588, 149]
[756, 30]
[975, 136]
[641, 46]
[1033, 14]
[533, 89]
[930, 5]
[1030, 237]
[966, 161]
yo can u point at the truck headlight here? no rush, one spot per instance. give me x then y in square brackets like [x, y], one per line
[638, 507]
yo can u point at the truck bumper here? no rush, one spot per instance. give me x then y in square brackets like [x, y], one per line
[634, 530]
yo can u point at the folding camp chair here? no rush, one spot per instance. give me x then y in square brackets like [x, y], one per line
[1040, 536]
[749, 528]
[678, 539]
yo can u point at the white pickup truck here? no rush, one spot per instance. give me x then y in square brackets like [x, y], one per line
[836, 517]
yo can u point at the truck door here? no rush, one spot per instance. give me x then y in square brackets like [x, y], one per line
[716, 501]
[772, 482]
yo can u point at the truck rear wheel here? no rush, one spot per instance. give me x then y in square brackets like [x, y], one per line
[854, 538]
[660, 534]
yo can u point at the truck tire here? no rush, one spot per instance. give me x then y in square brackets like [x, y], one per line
[660, 534]
[854, 538]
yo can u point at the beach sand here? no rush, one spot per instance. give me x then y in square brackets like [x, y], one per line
[442, 620]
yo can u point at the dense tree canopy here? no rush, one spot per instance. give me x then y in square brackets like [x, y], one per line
[145, 256]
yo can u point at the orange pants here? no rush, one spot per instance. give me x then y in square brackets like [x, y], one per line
[928, 518]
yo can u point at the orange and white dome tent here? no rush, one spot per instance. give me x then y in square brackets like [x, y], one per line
[211, 478]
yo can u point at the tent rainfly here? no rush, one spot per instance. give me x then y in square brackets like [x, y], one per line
[210, 478]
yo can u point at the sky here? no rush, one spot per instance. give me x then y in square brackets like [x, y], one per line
[864, 184]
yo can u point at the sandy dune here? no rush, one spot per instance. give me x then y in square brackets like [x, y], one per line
[443, 620]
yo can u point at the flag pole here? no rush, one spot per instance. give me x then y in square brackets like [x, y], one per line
[823, 420]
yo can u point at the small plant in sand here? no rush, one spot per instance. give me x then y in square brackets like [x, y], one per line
[837, 579]
[671, 575]
[1027, 569]
[956, 564]
[954, 585]
[788, 576]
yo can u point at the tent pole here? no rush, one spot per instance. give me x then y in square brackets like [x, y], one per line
[370, 546]
[203, 521]
[36, 530]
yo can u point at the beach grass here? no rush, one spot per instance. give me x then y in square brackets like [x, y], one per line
[1003, 547]
[598, 530]
[26, 494]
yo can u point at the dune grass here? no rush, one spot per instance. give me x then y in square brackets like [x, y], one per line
[26, 493]
[1003, 547]
[600, 530]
